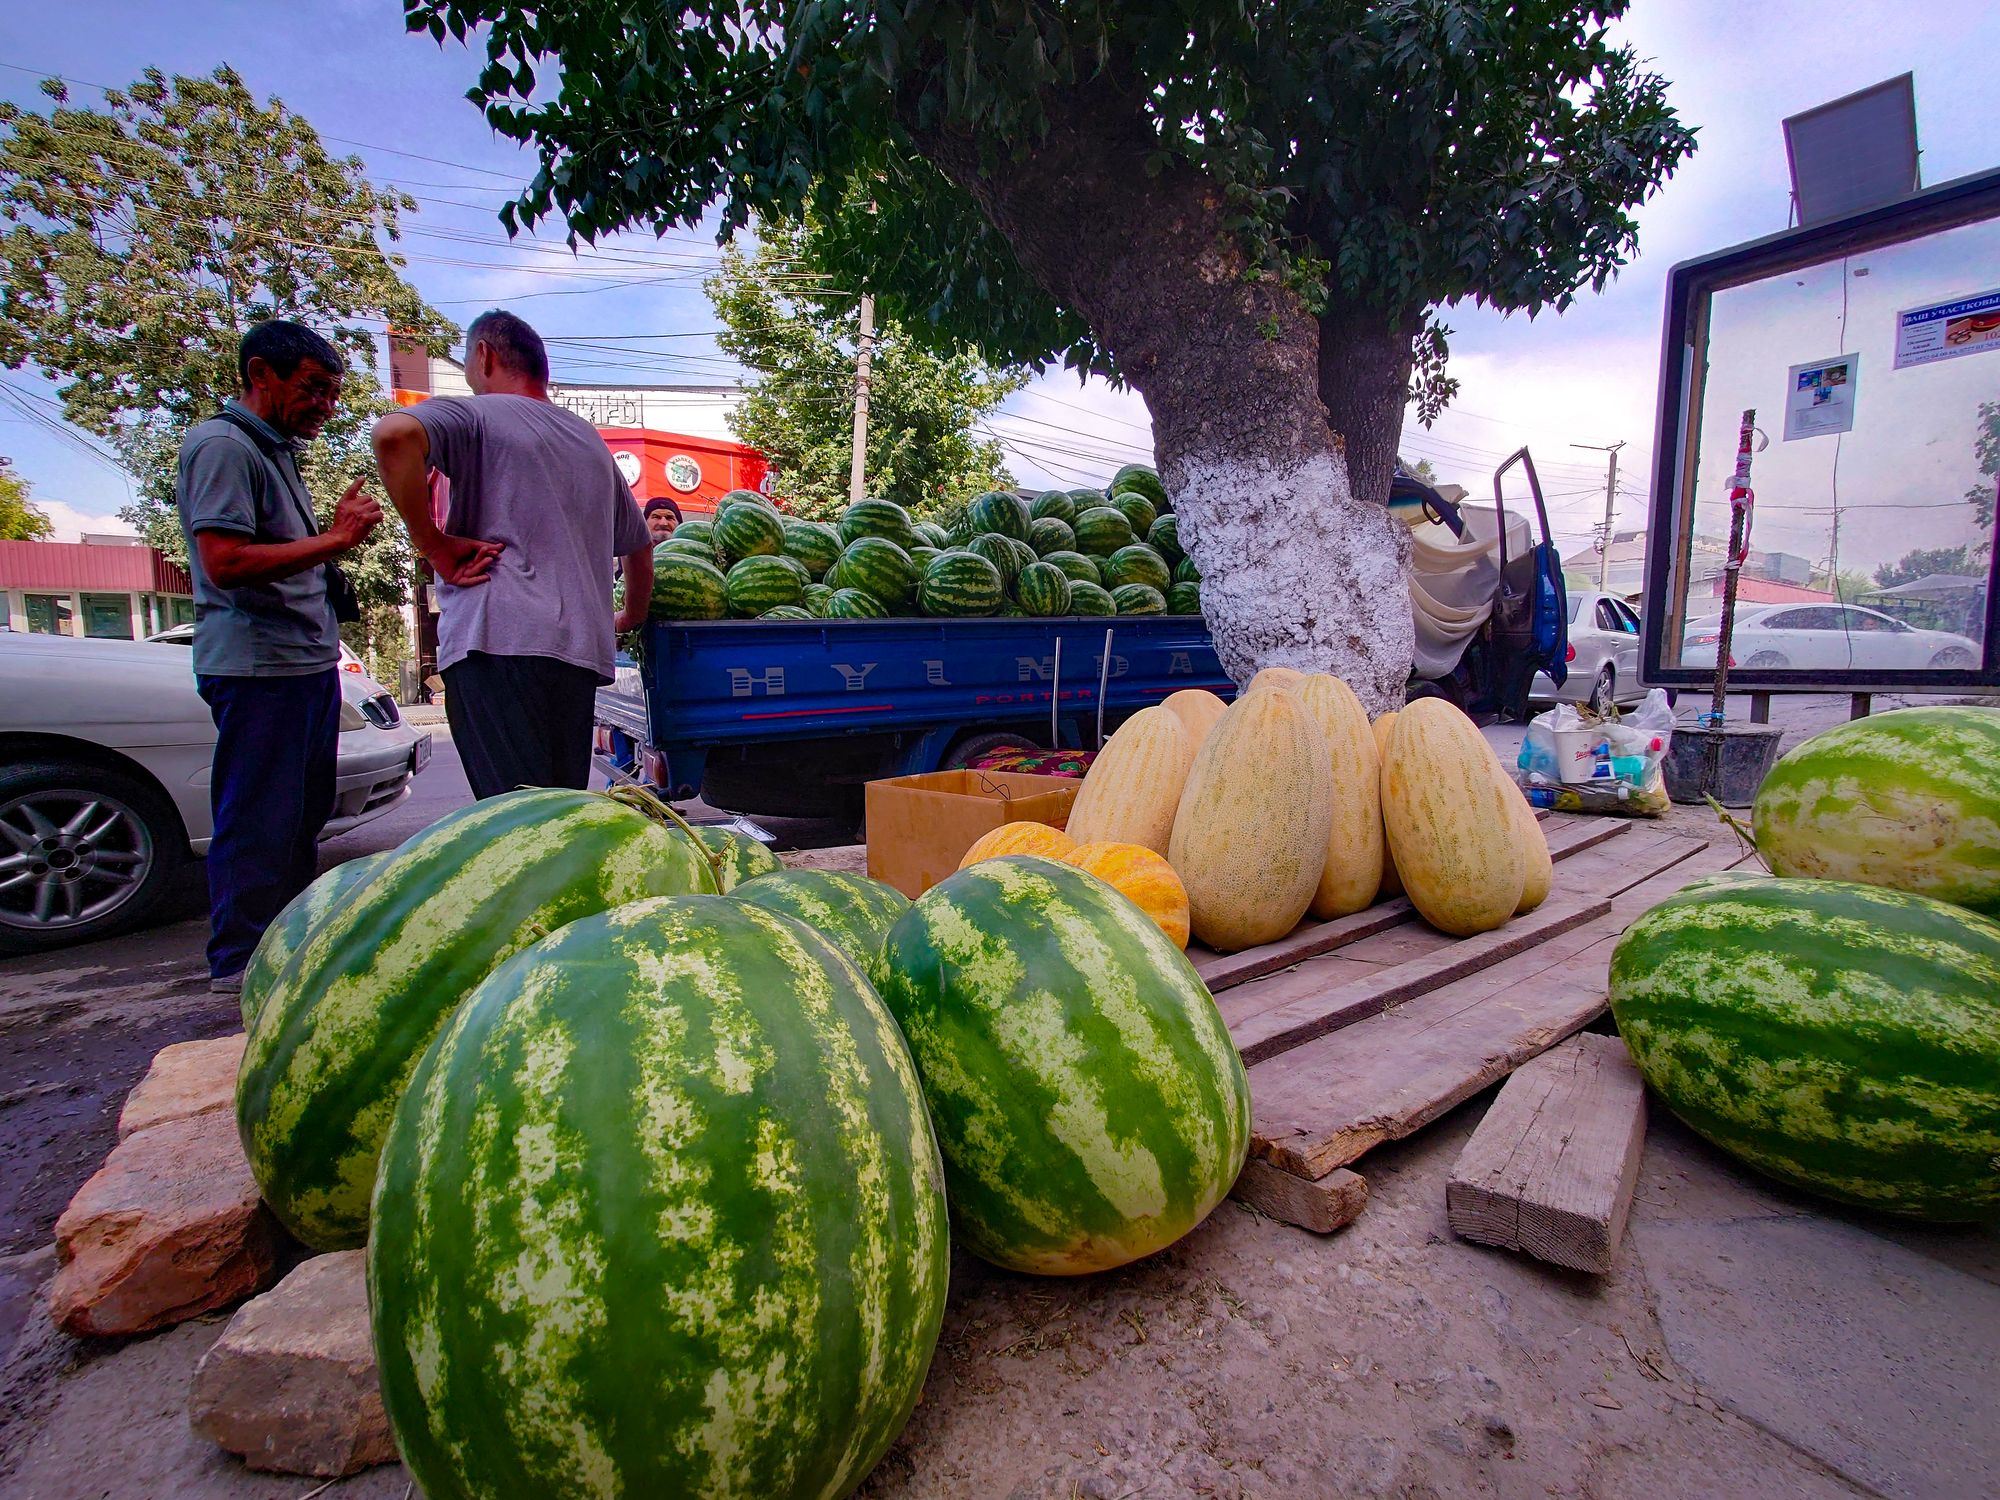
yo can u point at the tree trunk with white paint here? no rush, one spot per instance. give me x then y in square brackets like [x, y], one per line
[1296, 570]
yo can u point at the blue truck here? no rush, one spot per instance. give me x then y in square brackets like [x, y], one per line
[791, 718]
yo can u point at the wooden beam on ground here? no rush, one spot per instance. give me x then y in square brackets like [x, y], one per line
[1567, 834]
[1321, 1205]
[1551, 1168]
[1329, 1101]
[1279, 1013]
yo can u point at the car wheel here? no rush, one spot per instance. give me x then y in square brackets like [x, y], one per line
[85, 851]
[1771, 659]
[1604, 692]
[1953, 658]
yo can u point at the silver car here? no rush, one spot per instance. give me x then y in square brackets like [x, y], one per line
[1826, 637]
[104, 761]
[1603, 654]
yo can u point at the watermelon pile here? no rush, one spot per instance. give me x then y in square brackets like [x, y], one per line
[1066, 553]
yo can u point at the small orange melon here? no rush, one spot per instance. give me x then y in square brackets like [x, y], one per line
[1141, 877]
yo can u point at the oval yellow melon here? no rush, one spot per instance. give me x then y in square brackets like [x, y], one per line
[1019, 838]
[1142, 877]
[1278, 677]
[1134, 786]
[1353, 872]
[1197, 709]
[1250, 838]
[1392, 883]
[1539, 869]
[1457, 847]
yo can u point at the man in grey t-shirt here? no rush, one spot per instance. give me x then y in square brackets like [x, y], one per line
[536, 516]
[266, 648]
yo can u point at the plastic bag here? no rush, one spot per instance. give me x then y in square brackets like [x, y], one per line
[1618, 758]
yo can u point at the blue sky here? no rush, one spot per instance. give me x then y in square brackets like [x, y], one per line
[1587, 376]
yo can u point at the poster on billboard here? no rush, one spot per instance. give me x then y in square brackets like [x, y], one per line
[1819, 397]
[1948, 330]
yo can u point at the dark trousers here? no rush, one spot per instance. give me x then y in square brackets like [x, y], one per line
[271, 790]
[520, 721]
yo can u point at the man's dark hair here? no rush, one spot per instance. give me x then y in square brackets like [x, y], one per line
[513, 342]
[281, 344]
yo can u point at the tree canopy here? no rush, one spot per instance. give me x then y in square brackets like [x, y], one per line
[1925, 561]
[800, 341]
[1986, 452]
[21, 520]
[140, 241]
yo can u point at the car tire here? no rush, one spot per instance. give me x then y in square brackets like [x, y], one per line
[86, 851]
[1769, 660]
[1604, 691]
[1952, 659]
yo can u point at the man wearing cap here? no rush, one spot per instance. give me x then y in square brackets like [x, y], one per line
[662, 517]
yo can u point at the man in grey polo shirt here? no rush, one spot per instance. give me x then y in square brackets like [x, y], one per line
[536, 515]
[266, 646]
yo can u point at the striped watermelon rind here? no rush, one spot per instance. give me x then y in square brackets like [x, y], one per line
[1839, 1037]
[961, 584]
[1164, 537]
[743, 529]
[747, 497]
[1102, 531]
[1080, 569]
[1089, 599]
[1137, 563]
[814, 544]
[1138, 599]
[852, 912]
[1138, 511]
[815, 598]
[877, 518]
[685, 588]
[292, 926]
[1047, 535]
[763, 582]
[736, 857]
[855, 604]
[673, 546]
[1908, 799]
[1142, 479]
[1184, 599]
[1053, 505]
[342, 1028]
[933, 535]
[1186, 572]
[642, 1231]
[1043, 589]
[695, 529]
[1086, 1096]
[999, 551]
[794, 612]
[879, 567]
[999, 514]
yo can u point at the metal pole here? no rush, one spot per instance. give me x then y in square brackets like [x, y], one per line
[1103, 682]
[1610, 510]
[1741, 499]
[1055, 701]
[864, 349]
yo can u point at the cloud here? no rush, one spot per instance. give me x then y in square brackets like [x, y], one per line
[71, 523]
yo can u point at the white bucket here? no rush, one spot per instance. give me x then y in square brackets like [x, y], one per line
[1576, 752]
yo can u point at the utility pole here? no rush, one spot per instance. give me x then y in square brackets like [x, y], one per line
[864, 348]
[1610, 507]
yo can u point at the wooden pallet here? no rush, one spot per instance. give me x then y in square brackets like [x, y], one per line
[1384, 1024]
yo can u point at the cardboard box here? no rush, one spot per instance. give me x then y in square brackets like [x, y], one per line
[919, 827]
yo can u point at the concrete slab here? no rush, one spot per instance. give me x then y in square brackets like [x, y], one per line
[1870, 1351]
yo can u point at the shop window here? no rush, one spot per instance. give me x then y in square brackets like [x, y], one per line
[49, 614]
[107, 616]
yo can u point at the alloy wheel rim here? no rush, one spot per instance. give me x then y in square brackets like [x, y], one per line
[68, 857]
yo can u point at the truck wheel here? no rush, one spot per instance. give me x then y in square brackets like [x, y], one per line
[977, 746]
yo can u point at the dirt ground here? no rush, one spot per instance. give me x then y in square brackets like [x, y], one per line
[1750, 1342]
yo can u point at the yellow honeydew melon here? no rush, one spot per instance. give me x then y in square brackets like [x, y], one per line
[1392, 883]
[1456, 843]
[1134, 786]
[1249, 841]
[1197, 709]
[1353, 872]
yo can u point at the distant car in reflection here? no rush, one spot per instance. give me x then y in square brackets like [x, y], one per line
[1603, 654]
[1826, 637]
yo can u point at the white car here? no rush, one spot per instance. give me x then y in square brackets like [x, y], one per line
[104, 762]
[1826, 637]
[1603, 654]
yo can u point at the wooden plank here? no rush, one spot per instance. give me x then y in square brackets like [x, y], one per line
[1567, 833]
[1321, 1205]
[1329, 1101]
[1274, 1028]
[1552, 1167]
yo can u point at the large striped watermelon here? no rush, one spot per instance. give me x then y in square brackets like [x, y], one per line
[1164, 537]
[673, 546]
[815, 598]
[1102, 531]
[855, 604]
[1186, 572]
[1840, 1037]
[1000, 514]
[1088, 1100]
[961, 583]
[878, 567]
[1088, 599]
[852, 912]
[291, 927]
[788, 612]
[1138, 599]
[1136, 509]
[1043, 589]
[746, 529]
[347, 1019]
[999, 551]
[1137, 563]
[1909, 799]
[695, 529]
[1050, 535]
[736, 856]
[661, 1214]
[1054, 505]
[764, 582]
[877, 518]
[1080, 569]
[930, 534]
[1184, 599]
[685, 588]
[1141, 479]
[815, 545]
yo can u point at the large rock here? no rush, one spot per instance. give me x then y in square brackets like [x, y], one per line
[291, 1384]
[188, 1078]
[170, 1227]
